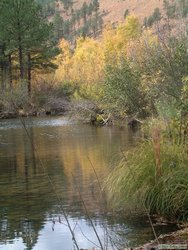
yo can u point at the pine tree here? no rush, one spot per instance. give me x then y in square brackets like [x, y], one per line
[58, 26]
[25, 34]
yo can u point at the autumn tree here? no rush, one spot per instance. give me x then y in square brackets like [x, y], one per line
[115, 41]
[85, 65]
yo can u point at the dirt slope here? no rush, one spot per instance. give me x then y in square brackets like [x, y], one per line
[115, 9]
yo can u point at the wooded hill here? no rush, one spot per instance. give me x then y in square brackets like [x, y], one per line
[88, 17]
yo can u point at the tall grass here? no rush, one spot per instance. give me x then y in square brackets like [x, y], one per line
[136, 183]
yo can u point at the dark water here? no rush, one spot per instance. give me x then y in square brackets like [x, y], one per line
[30, 212]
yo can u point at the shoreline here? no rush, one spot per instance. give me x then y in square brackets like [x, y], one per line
[179, 237]
[40, 113]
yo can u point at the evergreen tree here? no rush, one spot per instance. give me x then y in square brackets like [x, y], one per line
[96, 5]
[25, 33]
[170, 8]
[126, 13]
[58, 26]
[84, 12]
[157, 15]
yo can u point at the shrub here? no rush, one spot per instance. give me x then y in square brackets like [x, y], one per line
[122, 89]
[16, 99]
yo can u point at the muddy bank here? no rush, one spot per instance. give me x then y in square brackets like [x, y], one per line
[179, 237]
[31, 110]
[22, 113]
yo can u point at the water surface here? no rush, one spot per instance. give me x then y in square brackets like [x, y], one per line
[54, 167]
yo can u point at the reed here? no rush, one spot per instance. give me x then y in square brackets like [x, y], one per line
[153, 175]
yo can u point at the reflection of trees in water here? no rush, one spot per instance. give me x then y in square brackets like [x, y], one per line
[23, 205]
[26, 196]
[27, 230]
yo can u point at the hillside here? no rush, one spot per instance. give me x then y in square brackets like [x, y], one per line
[113, 10]
[77, 18]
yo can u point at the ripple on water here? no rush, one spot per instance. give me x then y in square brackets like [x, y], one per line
[34, 122]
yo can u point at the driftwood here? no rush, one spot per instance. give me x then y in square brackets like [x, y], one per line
[98, 119]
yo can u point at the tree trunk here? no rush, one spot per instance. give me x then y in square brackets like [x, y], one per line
[29, 72]
[2, 76]
[2, 66]
[10, 71]
[20, 51]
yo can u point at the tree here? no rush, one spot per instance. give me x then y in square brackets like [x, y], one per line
[122, 89]
[115, 41]
[85, 66]
[84, 12]
[155, 17]
[96, 5]
[126, 13]
[67, 4]
[170, 8]
[58, 26]
[182, 6]
[25, 34]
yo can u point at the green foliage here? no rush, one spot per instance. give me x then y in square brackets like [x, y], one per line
[184, 96]
[59, 26]
[176, 8]
[72, 28]
[65, 90]
[155, 17]
[164, 67]
[93, 25]
[134, 184]
[122, 89]
[67, 4]
[89, 92]
[183, 7]
[26, 35]
[48, 7]
[170, 8]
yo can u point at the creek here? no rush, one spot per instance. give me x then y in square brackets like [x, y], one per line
[68, 154]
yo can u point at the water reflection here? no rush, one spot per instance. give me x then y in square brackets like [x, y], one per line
[31, 217]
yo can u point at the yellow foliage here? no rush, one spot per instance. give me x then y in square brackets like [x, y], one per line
[88, 61]
[116, 41]
[130, 29]
[85, 65]
[64, 61]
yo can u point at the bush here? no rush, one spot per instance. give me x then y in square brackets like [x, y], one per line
[45, 91]
[16, 99]
[122, 89]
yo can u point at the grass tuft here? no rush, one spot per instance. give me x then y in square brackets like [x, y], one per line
[135, 183]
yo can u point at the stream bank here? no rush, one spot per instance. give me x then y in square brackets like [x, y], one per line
[179, 237]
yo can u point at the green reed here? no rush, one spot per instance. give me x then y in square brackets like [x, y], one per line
[136, 183]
